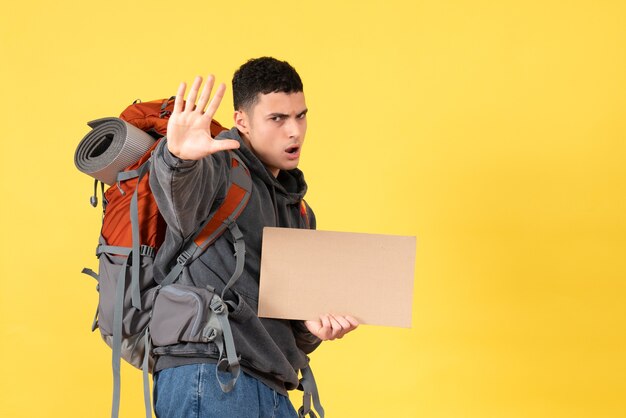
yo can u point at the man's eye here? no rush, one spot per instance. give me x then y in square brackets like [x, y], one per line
[276, 118]
[302, 116]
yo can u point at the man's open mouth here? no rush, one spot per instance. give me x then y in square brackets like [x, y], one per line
[293, 149]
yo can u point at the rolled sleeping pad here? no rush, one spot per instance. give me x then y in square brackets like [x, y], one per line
[110, 147]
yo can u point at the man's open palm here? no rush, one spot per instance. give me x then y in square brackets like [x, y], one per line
[188, 130]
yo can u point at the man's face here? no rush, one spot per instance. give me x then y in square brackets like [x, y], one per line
[274, 129]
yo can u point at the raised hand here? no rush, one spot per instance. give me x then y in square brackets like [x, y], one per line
[188, 130]
[330, 327]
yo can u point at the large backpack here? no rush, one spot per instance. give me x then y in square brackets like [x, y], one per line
[132, 232]
[131, 235]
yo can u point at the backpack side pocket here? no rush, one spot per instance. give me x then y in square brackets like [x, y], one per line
[182, 314]
[189, 314]
[113, 269]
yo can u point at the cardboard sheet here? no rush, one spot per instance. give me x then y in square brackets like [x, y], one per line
[306, 273]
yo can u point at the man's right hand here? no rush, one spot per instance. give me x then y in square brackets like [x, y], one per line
[188, 130]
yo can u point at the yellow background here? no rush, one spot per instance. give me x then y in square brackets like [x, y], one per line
[494, 131]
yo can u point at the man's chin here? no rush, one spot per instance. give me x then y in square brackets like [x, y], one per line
[292, 165]
[283, 166]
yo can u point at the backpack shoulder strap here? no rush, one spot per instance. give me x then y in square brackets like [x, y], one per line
[237, 196]
[304, 213]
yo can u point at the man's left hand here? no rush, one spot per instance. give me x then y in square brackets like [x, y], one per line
[330, 327]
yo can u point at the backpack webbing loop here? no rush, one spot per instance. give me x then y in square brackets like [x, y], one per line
[230, 362]
[163, 112]
[146, 373]
[117, 338]
[310, 391]
[136, 252]
[127, 175]
[94, 324]
[90, 272]
[112, 249]
[240, 255]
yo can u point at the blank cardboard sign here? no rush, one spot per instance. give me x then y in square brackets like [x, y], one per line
[307, 273]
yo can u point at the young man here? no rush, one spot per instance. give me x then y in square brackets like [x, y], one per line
[189, 180]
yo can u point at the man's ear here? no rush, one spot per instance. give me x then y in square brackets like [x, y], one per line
[241, 121]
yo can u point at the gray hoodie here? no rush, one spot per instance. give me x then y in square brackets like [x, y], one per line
[186, 192]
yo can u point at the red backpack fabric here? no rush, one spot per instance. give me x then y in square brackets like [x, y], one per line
[151, 117]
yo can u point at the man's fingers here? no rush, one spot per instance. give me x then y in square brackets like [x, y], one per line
[325, 321]
[336, 327]
[225, 144]
[193, 94]
[188, 106]
[215, 101]
[341, 325]
[353, 321]
[343, 322]
[330, 327]
[206, 93]
[180, 97]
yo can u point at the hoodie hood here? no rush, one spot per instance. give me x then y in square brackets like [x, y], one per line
[290, 184]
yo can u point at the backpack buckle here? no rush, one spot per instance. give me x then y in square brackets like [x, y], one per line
[183, 258]
[209, 334]
[217, 306]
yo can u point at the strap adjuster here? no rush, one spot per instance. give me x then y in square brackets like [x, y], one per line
[146, 251]
[217, 306]
[183, 258]
[209, 334]
[234, 230]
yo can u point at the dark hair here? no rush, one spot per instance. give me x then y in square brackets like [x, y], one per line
[263, 75]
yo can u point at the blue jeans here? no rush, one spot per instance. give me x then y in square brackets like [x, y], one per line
[193, 392]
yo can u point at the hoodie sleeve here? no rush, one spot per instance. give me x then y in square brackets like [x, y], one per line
[185, 190]
[305, 341]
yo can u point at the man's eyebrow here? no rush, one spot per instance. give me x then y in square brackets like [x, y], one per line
[284, 115]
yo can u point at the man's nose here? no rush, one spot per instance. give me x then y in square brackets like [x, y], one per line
[294, 128]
